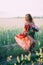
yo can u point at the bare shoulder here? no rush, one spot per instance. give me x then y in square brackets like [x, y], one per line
[32, 23]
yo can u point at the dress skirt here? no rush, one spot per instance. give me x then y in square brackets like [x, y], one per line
[23, 41]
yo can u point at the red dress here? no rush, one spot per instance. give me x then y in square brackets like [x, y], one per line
[23, 40]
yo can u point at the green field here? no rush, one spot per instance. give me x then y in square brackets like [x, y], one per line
[11, 53]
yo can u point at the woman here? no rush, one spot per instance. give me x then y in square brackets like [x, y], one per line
[26, 39]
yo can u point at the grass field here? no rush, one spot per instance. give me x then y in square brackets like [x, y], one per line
[9, 50]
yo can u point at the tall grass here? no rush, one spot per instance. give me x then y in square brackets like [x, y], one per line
[7, 38]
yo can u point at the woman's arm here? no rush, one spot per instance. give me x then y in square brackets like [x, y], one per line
[26, 29]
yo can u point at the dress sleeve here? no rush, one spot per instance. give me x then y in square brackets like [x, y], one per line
[26, 28]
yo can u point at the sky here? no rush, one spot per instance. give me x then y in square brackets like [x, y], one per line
[14, 8]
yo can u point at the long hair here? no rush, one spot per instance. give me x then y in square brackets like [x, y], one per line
[29, 17]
